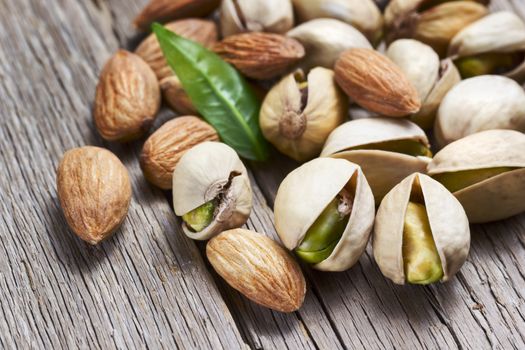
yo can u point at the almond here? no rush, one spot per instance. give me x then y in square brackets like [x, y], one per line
[202, 31]
[260, 55]
[259, 268]
[374, 82]
[94, 192]
[127, 98]
[163, 149]
[167, 10]
[176, 97]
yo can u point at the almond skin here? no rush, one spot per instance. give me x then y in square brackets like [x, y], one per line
[94, 192]
[127, 98]
[163, 149]
[259, 268]
[167, 10]
[260, 55]
[176, 97]
[374, 82]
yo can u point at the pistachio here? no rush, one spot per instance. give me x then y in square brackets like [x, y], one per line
[387, 149]
[431, 77]
[364, 15]
[324, 211]
[486, 172]
[300, 111]
[238, 16]
[421, 232]
[494, 44]
[480, 103]
[210, 180]
[325, 39]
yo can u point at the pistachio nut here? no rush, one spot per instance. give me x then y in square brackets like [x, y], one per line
[434, 22]
[324, 212]
[299, 112]
[494, 44]
[421, 232]
[486, 173]
[238, 16]
[480, 103]
[387, 150]
[211, 190]
[324, 39]
[431, 77]
[364, 15]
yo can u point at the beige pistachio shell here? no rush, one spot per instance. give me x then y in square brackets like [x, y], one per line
[498, 197]
[500, 32]
[448, 222]
[362, 14]
[480, 103]
[201, 175]
[324, 39]
[305, 193]
[238, 16]
[298, 130]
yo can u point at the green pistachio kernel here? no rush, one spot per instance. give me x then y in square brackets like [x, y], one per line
[487, 63]
[198, 219]
[409, 147]
[421, 260]
[455, 181]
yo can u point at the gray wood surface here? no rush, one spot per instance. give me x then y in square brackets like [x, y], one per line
[151, 287]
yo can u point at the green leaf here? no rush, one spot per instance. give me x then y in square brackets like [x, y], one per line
[217, 91]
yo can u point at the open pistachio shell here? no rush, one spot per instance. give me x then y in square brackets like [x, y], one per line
[497, 197]
[362, 14]
[299, 112]
[324, 39]
[307, 191]
[500, 32]
[212, 171]
[480, 103]
[238, 16]
[448, 224]
[382, 168]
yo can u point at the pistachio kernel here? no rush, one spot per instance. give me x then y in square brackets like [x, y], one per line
[488, 63]
[408, 147]
[200, 218]
[458, 180]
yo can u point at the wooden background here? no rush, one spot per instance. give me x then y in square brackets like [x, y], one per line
[149, 286]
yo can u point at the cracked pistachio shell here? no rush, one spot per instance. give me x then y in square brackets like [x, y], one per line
[362, 14]
[324, 39]
[305, 193]
[500, 32]
[383, 169]
[447, 219]
[431, 77]
[300, 131]
[239, 16]
[200, 176]
[495, 198]
[480, 103]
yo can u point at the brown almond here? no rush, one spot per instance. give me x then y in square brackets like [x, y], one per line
[376, 83]
[94, 191]
[163, 149]
[259, 268]
[167, 10]
[260, 55]
[127, 98]
[176, 97]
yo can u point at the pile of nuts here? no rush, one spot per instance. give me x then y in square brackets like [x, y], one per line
[369, 176]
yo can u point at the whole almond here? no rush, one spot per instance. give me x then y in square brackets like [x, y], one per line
[376, 83]
[260, 55]
[94, 192]
[127, 98]
[163, 149]
[167, 10]
[202, 31]
[259, 268]
[176, 97]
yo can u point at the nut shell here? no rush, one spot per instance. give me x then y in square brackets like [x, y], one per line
[176, 97]
[200, 176]
[448, 222]
[94, 192]
[304, 194]
[259, 268]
